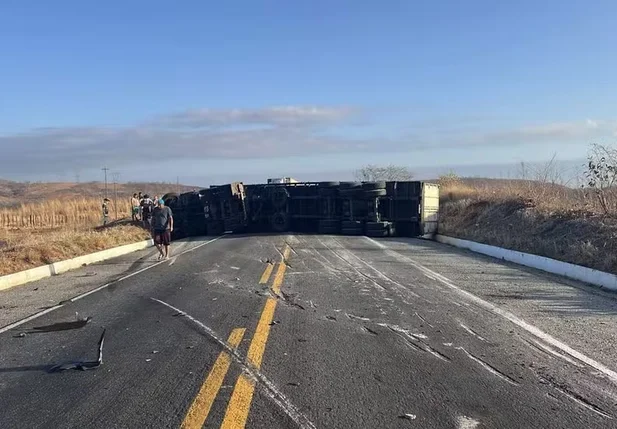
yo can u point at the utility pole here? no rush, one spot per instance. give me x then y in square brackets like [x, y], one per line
[115, 176]
[105, 169]
[178, 184]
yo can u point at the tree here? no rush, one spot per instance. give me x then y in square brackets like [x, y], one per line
[373, 173]
[601, 173]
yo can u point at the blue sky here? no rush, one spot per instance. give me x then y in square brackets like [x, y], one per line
[210, 91]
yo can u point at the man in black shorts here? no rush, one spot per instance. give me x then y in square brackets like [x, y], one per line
[162, 226]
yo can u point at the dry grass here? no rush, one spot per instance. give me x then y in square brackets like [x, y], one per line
[67, 213]
[37, 234]
[24, 249]
[541, 218]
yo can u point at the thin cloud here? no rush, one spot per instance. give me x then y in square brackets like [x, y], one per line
[273, 132]
[283, 116]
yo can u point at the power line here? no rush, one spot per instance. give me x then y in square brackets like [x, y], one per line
[105, 169]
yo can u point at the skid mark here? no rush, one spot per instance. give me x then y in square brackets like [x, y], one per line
[424, 320]
[472, 332]
[490, 368]
[576, 398]
[253, 373]
[550, 351]
[488, 306]
[415, 341]
[369, 330]
[354, 317]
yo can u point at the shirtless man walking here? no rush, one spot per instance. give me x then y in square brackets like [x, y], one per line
[162, 227]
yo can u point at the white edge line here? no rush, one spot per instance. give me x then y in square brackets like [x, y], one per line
[511, 317]
[90, 292]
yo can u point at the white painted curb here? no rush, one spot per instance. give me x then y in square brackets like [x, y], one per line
[565, 269]
[16, 279]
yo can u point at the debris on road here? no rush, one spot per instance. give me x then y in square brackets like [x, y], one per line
[275, 322]
[84, 365]
[330, 317]
[61, 326]
[408, 416]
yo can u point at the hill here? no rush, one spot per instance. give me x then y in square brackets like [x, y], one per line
[14, 193]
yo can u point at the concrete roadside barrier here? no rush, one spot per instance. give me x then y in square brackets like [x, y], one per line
[553, 266]
[33, 274]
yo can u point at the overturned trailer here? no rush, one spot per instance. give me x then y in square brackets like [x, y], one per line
[375, 209]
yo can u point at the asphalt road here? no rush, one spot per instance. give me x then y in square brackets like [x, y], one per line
[284, 331]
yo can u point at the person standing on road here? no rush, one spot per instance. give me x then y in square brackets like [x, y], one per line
[146, 211]
[162, 227]
[134, 208]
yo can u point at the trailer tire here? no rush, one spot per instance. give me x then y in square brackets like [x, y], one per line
[351, 224]
[171, 196]
[279, 222]
[328, 184]
[371, 186]
[351, 231]
[350, 185]
[375, 193]
[377, 233]
[279, 197]
[375, 226]
[329, 223]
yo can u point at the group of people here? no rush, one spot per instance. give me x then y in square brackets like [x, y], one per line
[156, 217]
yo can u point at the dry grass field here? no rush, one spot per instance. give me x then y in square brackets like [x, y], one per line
[48, 222]
[565, 223]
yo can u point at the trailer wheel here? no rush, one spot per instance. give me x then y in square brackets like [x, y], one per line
[371, 186]
[329, 223]
[375, 193]
[280, 222]
[328, 184]
[377, 226]
[351, 231]
[377, 233]
[169, 197]
[279, 197]
[350, 185]
[351, 224]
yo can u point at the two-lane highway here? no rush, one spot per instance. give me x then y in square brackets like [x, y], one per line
[279, 331]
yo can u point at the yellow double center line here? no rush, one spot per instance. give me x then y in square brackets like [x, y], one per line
[200, 408]
[242, 396]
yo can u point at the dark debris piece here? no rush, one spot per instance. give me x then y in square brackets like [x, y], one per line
[83, 365]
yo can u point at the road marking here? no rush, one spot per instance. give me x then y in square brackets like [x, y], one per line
[258, 344]
[239, 405]
[286, 252]
[278, 278]
[200, 408]
[106, 285]
[242, 396]
[269, 388]
[265, 277]
[612, 375]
